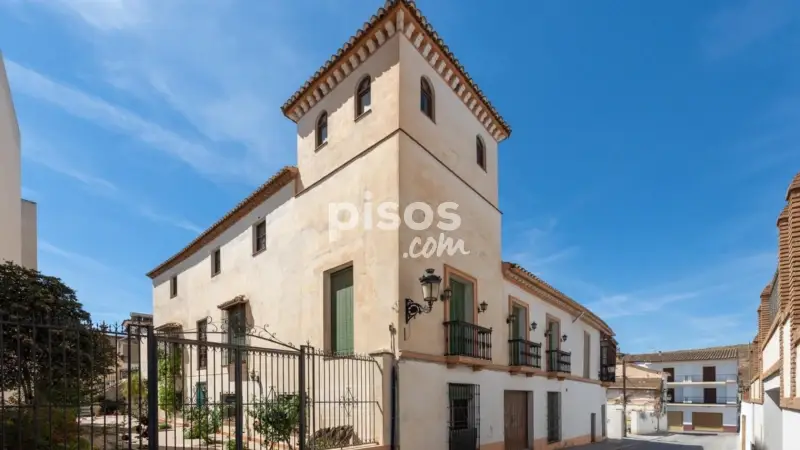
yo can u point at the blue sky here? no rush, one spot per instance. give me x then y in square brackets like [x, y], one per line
[652, 144]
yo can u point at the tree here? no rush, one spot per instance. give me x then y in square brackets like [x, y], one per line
[50, 351]
[170, 364]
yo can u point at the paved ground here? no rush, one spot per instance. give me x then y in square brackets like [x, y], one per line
[669, 442]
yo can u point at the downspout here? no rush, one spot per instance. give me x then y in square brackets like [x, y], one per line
[393, 396]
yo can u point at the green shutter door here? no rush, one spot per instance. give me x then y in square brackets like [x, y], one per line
[342, 310]
[462, 309]
[200, 389]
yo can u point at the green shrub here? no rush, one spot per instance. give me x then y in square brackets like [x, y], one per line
[204, 422]
[276, 419]
[41, 428]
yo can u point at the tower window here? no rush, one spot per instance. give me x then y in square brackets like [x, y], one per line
[426, 98]
[480, 152]
[363, 96]
[322, 129]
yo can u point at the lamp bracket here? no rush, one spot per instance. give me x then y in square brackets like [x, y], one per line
[413, 309]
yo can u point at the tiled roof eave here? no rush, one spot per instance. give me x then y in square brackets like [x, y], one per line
[542, 289]
[397, 16]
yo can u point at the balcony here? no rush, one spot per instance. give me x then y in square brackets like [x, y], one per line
[466, 339]
[699, 380]
[558, 361]
[704, 401]
[524, 353]
[608, 373]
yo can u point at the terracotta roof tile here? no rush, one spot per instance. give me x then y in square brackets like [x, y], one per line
[784, 215]
[519, 270]
[266, 190]
[794, 185]
[365, 30]
[699, 354]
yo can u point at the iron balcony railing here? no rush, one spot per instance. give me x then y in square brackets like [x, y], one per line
[522, 352]
[710, 401]
[608, 373]
[720, 377]
[559, 361]
[468, 339]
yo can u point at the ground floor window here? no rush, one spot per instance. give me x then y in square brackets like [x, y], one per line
[464, 409]
[553, 417]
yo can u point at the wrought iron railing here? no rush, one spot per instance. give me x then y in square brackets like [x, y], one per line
[522, 352]
[608, 373]
[707, 401]
[468, 339]
[559, 361]
[695, 378]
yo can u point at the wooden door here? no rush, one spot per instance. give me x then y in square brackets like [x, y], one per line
[342, 304]
[463, 341]
[593, 426]
[516, 420]
[703, 421]
[710, 395]
[675, 420]
[710, 373]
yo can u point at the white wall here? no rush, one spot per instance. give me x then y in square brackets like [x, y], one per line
[791, 429]
[614, 422]
[730, 414]
[647, 422]
[10, 175]
[693, 370]
[787, 359]
[772, 351]
[424, 406]
[753, 425]
[773, 421]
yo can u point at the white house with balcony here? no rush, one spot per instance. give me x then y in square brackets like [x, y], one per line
[702, 386]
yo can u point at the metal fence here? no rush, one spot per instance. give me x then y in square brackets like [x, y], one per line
[79, 386]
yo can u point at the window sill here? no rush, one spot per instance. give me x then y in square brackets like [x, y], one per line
[321, 146]
[362, 115]
[215, 274]
[258, 252]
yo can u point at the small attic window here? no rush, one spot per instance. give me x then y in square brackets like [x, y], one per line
[426, 99]
[322, 129]
[363, 96]
[480, 152]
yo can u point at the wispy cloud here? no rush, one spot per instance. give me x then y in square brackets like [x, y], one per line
[72, 257]
[539, 247]
[224, 69]
[741, 25]
[718, 329]
[43, 154]
[715, 281]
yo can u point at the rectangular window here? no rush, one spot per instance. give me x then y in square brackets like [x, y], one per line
[216, 262]
[173, 287]
[341, 310]
[553, 417]
[202, 350]
[464, 406]
[670, 373]
[237, 329]
[710, 395]
[587, 353]
[260, 237]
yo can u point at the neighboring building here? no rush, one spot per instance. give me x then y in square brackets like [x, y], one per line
[771, 407]
[702, 386]
[132, 349]
[644, 388]
[508, 361]
[17, 216]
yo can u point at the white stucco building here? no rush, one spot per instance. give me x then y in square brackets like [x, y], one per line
[702, 386]
[391, 122]
[771, 407]
[17, 215]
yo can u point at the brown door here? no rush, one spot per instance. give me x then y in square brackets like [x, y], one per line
[516, 420]
[710, 373]
[675, 420]
[703, 421]
[670, 373]
[710, 395]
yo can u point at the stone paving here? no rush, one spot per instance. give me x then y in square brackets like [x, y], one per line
[669, 442]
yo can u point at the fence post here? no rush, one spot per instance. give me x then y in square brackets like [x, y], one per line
[301, 373]
[152, 390]
[237, 376]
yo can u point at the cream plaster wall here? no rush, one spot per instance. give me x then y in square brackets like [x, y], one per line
[753, 429]
[538, 311]
[10, 175]
[638, 399]
[786, 329]
[451, 139]
[29, 235]
[797, 372]
[348, 137]
[292, 270]
[423, 405]
[771, 351]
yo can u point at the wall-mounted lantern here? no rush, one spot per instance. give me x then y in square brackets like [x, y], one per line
[533, 326]
[564, 338]
[482, 307]
[430, 283]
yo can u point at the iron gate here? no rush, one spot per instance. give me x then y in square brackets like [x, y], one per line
[211, 387]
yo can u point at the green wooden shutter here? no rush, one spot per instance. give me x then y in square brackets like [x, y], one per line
[342, 311]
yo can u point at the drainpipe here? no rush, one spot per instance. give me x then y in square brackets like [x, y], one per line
[624, 399]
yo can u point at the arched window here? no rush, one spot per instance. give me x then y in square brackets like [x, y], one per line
[426, 98]
[322, 128]
[480, 152]
[363, 96]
